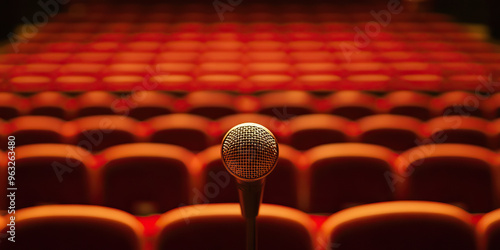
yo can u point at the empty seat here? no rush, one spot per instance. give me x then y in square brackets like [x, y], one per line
[161, 171]
[488, 229]
[211, 104]
[308, 131]
[96, 133]
[407, 103]
[218, 186]
[399, 225]
[491, 106]
[495, 130]
[36, 129]
[52, 104]
[78, 227]
[459, 129]
[351, 104]
[286, 104]
[52, 174]
[342, 175]
[188, 131]
[451, 173]
[221, 226]
[142, 105]
[457, 103]
[12, 105]
[96, 103]
[274, 124]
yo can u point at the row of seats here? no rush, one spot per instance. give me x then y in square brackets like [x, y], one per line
[383, 226]
[353, 105]
[196, 133]
[144, 178]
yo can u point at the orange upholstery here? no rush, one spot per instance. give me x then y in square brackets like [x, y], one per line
[62, 171]
[143, 178]
[351, 104]
[49, 104]
[346, 174]
[210, 104]
[408, 103]
[488, 231]
[451, 173]
[221, 226]
[274, 124]
[96, 103]
[459, 129]
[143, 105]
[457, 103]
[397, 225]
[12, 105]
[78, 227]
[287, 104]
[37, 129]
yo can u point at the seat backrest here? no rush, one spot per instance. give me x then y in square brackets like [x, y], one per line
[78, 227]
[459, 129]
[221, 226]
[351, 104]
[488, 231]
[409, 225]
[36, 129]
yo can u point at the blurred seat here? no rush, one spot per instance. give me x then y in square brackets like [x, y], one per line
[459, 129]
[274, 124]
[351, 104]
[488, 231]
[409, 225]
[52, 174]
[219, 187]
[451, 173]
[286, 104]
[95, 103]
[144, 105]
[342, 175]
[12, 105]
[79, 227]
[211, 104]
[98, 132]
[49, 103]
[491, 106]
[144, 178]
[308, 131]
[457, 103]
[407, 103]
[392, 131]
[36, 129]
[494, 127]
[221, 226]
[188, 131]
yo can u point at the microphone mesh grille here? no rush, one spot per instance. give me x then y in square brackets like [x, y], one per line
[249, 151]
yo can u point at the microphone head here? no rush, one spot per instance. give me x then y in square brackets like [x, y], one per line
[249, 151]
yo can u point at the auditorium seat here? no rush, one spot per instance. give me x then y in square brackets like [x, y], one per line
[342, 175]
[491, 106]
[36, 129]
[409, 225]
[495, 129]
[52, 174]
[49, 103]
[273, 123]
[457, 103]
[221, 226]
[459, 129]
[286, 104]
[308, 131]
[95, 103]
[407, 103]
[211, 104]
[281, 184]
[458, 174]
[488, 231]
[392, 131]
[12, 105]
[351, 104]
[98, 132]
[188, 131]
[143, 105]
[78, 227]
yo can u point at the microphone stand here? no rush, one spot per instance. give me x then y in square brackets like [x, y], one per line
[250, 194]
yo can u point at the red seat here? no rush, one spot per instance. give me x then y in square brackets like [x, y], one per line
[30, 83]
[96, 133]
[79, 226]
[457, 103]
[488, 231]
[274, 124]
[213, 224]
[347, 174]
[351, 104]
[459, 129]
[452, 173]
[188, 131]
[49, 104]
[308, 131]
[143, 105]
[36, 129]
[210, 104]
[407, 103]
[286, 104]
[12, 105]
[96, 103]
[399, 225]
[52, 173]
[392, 131]
[162, 171]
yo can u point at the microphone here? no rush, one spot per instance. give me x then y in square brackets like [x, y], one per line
[250, 153]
